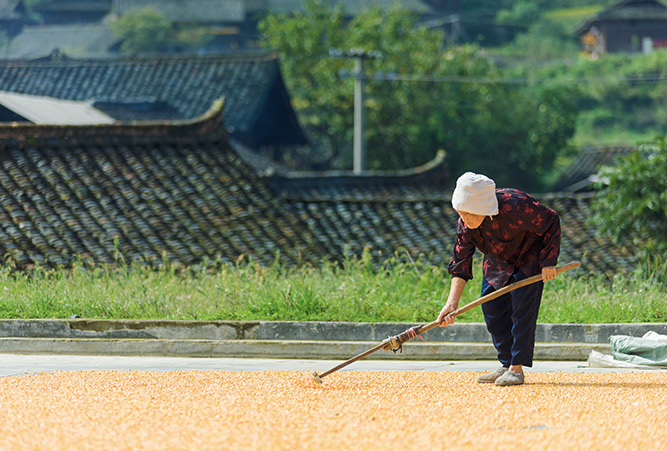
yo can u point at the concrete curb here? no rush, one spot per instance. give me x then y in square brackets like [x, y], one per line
[299, 340]
[293, 349]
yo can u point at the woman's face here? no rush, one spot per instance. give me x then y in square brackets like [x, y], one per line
[471, 220]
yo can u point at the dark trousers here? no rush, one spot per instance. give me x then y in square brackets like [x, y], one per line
[511, 320]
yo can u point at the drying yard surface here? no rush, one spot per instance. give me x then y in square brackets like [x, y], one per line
[398, 410]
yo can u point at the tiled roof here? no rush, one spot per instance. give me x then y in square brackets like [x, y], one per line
[628, 10]
[633, 10]
[428, 181]
[249, 83]
[142, 192]
[179, 191]
[581, 173]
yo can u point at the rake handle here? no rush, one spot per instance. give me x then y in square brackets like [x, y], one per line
[425, 328]
[354, 359]
[496, 294]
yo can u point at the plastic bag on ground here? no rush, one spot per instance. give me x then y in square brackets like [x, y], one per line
[649, 351]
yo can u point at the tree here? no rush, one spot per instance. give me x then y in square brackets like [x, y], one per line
[632, 204]
[149, 31]
[522, 12]
[430, 103]
[146, 30]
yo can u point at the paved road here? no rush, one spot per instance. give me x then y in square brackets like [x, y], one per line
[14, 365]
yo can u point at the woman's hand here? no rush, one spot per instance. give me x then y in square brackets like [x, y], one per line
[455, 291]
[443, 318]
[548, 273]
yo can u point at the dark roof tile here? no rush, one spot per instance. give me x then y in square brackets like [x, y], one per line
[581, 173]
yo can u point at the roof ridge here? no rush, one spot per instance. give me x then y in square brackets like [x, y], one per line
[208, 124]
[299, 185]
[434, 164]
[57, 56]
[635, 4]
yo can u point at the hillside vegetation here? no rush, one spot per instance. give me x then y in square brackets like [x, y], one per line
[518, 111]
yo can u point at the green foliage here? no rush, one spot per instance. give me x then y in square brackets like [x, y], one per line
[146, 30]
[545, 40]
[489, 22]
[487, 127]
[632, 203]
[522, 12]
[620, 97]
[573, 16]
[192, 37]
[357, 289]
[149, 31]
[634, 298]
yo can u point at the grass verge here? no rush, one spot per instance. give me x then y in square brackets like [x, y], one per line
[356, 290]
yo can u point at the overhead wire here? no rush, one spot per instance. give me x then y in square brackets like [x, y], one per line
[511, 81]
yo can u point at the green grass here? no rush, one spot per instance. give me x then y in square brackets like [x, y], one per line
[358, 292]
[573, 17]
[578, 12]
[355, 291]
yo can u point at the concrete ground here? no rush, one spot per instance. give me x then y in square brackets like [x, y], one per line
[17, 364]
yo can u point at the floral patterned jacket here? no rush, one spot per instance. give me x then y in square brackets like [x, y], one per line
[524, 235]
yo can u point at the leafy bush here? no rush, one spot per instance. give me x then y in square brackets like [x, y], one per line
[632, 203]
[147, 30]
[620, 97]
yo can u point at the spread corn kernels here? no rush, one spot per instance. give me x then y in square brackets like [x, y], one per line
[274, 410]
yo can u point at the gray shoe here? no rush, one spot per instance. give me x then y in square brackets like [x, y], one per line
[510, 378]
[490, 378]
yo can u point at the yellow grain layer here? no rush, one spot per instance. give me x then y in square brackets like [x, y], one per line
[353, 410]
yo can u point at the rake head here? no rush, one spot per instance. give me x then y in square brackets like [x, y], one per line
[316, 377]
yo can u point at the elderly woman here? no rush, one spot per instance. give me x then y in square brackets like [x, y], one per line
[519, 238]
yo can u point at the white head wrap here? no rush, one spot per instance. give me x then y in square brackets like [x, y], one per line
[475, 193]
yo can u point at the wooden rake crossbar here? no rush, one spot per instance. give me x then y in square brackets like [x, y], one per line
[394, 343]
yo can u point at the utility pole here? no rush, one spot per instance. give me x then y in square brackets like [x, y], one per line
[359, 165]
[359, 157]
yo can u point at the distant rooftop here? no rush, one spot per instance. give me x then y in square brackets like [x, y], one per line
[582, 172]
[628, 10]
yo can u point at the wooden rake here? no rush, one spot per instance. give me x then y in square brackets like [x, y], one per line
[396, 342]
